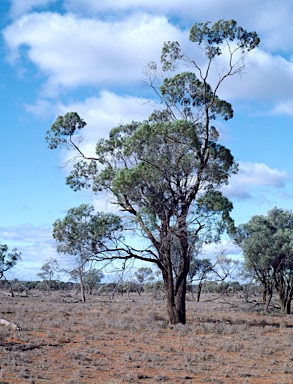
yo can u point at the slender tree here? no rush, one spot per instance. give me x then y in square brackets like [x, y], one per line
[85, 234]
[166, 173]
[92, 278]
[47, 273]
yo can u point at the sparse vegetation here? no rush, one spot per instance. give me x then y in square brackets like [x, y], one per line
[121, 341]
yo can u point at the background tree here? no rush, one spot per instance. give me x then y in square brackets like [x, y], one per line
[85, 234]
[92, 279]
[7, 261]
[208, 273]
[199, 272]
[267, 245]
[166, 173]
[143, 275]
[47, 273]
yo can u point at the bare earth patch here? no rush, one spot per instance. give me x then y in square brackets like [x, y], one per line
[64, 341]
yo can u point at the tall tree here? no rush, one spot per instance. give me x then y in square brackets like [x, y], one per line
[267, 245]
[166, 173]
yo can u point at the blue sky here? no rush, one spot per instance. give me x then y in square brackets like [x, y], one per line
[88, 56]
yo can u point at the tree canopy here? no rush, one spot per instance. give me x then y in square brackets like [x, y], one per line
[84, 233]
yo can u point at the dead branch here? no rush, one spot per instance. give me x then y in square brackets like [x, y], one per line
[7, 293]
[9, 324]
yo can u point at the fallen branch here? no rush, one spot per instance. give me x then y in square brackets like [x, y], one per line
[7, 293]
[10, 325]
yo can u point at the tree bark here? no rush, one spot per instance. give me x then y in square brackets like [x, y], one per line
[268, 299]
[175, 303]
[81, 286]
[288, 307]
[170, 297]
[199, 291]
[180, 302]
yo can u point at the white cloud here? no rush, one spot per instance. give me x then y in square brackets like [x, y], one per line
[69, 52]
[267, 78]
[19, 7]
[252, 15]
[199, 10]
[41, 109]
[283, 108]
[108, 110]
[253, 175]
[226, 248]
[72, 52]
[260, 174]
[36, 245]
[26, 234]
[101, 114]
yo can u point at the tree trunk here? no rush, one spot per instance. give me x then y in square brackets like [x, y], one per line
[285, 304]
[176, 304]
[288, 307]
[81, 286]
[199, 291]
[180, 302]
[264, 294]
[268, 299]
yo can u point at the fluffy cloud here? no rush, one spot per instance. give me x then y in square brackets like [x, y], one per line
[253, 175]
[107, 111]
[19, 7]
[26, 234]
[267, 78]
[283, 108]
[72, 51]
[36, 245]
[250, 14]
[101, 114]
[226, 248]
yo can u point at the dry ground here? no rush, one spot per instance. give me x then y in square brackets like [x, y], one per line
[63, 341]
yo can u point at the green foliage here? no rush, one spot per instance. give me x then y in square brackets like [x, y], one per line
[266, 241]
[144, 275]
[199, 269]
[222, 31]
[93, 277]
[84, 233]
[47, 272]
[267, 245]
[64, 126]
[153, 166]
[8, 259]
[191, 97]
[211, 39]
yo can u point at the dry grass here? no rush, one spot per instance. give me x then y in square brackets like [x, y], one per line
[64, 341]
